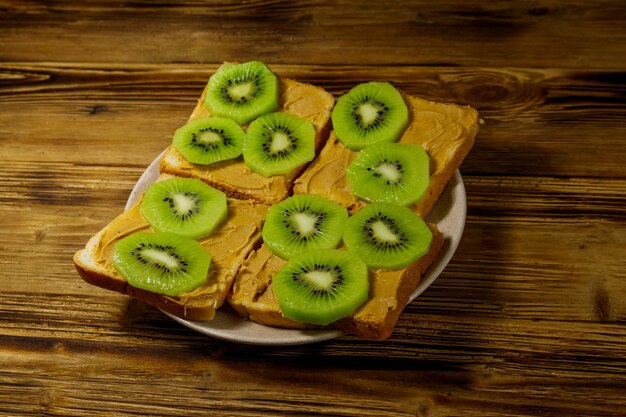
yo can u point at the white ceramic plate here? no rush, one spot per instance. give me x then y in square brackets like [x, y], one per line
[449, 215]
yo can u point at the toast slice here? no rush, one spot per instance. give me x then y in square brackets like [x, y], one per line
[232, 176]
[445, 131]
[252, 296]
[228, 245]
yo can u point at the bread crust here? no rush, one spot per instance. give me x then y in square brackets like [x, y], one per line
[163, 302]
[229, 245]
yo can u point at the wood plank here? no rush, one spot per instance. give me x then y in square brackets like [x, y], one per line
[103, 342]
[523, 197]
[528, 318]
[214, 380]
[537, 122]
[496, 274]
[514, 223]
[498, 341]
[577, 34]
[505, 300]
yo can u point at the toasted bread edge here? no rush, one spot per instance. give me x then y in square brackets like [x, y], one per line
[92, 276]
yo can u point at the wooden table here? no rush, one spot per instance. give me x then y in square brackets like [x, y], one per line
[528, 318]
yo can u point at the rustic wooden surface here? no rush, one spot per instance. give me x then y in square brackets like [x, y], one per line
[528, 319]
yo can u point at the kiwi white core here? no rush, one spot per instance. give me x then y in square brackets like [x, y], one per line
[183, 203]
[240, 91]
[368, 113]
[382, 232]
[305, 223]
[280, 142]
[320, 279]
[209, 137]
[160, 257]
[390, 172]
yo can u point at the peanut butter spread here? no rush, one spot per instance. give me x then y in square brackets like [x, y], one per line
[241, 273]
[228, 246]
[251, 290]
[251, 294]
[233, 176]
[442, 129]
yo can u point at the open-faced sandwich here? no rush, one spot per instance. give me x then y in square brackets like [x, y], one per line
[261, 205]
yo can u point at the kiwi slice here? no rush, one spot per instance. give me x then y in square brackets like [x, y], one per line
[302, 223]
[242, 92]
[387, 236]
[369, 113]
[321, 286]
[185, 206]
[277, 143]
[161, 262]
[209, 139]
[390, 173]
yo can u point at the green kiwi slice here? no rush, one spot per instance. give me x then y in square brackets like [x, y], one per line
[161, 262]
[302, 223]
[185, 206]
[242, 92]
[390, 173]
[209, 139]
[387, 236]
[321, 286]
[369, 113]
[277, 143]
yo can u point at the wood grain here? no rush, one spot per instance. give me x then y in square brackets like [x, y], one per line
[489, 282]
[537, 122]
[527, 319]
[451, 33]
[218, 384]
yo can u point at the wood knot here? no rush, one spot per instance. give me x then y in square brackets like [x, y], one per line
[46, 399]
[40, 234]
[506, 91]
[489, 93]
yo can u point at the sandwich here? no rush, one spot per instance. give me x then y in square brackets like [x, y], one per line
[258, 203]
[445, 132]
